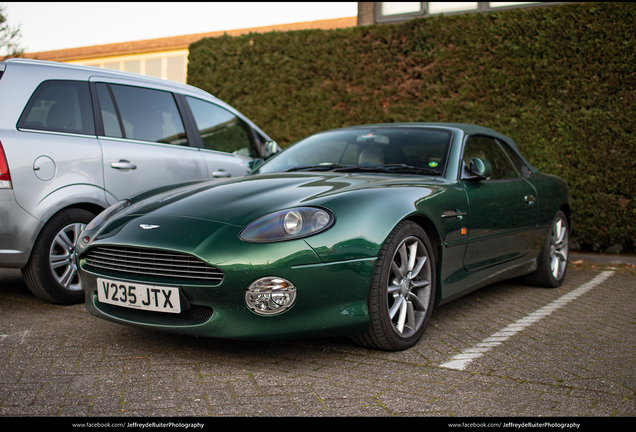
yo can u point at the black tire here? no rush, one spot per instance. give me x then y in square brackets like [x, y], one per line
[552, 263]
[402, 291]
[51, 273]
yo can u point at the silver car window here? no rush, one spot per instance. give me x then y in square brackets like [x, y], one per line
[110, 118]
[220, 129]
[149, 115]
[60, 106]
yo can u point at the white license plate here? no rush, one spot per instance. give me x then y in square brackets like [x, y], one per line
[138, 296]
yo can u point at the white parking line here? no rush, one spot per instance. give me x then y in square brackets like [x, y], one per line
[21, 335]
[460, 361]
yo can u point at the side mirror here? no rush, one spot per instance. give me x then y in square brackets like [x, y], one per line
[271, 148]
[254, 164]
[480, 169]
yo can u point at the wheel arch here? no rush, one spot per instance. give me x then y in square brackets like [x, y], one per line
[567, 211]
[433, 235]
[51, 271]
[88, 205]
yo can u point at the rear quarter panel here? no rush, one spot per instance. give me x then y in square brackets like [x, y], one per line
[553, 194]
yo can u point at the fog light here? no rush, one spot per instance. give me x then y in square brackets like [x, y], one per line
[270, 295]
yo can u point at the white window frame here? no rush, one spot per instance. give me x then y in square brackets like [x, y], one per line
[481, 7]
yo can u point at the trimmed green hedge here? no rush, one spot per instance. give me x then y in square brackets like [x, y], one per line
[560, 80]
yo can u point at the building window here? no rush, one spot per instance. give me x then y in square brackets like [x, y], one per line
[112, 65]
[132, 66]
[447, 7]
[401, 11]
[495, 5]
[400, 8]
[168, 65]
[154, 67]
[175, 68]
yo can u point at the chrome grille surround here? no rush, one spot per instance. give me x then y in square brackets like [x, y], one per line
[152, 262]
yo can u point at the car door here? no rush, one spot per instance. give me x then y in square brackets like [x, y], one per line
[503, 208]
[227, 142]
[143, 139]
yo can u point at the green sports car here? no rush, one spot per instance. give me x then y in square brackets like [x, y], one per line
[359, 231]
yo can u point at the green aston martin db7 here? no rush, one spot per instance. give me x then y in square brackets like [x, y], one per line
[359, 231]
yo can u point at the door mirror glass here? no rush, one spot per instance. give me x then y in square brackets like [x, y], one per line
[480, 168]
[254, 164]
[271, 148]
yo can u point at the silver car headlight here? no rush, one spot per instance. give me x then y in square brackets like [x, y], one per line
[288, 225]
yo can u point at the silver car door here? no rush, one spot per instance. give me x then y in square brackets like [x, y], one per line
[227, 141]
[144, 143]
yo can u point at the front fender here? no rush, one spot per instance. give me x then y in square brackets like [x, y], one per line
[365, 219]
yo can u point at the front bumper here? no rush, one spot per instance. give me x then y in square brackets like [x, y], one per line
[331, 297]
[332, 301]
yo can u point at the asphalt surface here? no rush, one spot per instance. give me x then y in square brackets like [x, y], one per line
[505, 351]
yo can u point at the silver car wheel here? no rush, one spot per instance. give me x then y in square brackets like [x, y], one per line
[409, 287]
[62, 257]
[559, 248]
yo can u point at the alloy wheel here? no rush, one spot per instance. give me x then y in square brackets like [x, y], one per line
[62, 257]
[409, 287]
[558, 248]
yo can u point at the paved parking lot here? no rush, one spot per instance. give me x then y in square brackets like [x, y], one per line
[504, 351]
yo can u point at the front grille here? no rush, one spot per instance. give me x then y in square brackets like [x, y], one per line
[152, 262]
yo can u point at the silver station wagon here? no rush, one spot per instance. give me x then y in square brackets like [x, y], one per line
[75, 140]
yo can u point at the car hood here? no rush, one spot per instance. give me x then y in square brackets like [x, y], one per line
[240, 201]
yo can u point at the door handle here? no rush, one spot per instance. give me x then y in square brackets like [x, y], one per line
[530, 199]
[221, 173]
[123, 164]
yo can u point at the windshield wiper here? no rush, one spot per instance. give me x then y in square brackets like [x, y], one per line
[411, 168]
[318, 167]
[390, 168]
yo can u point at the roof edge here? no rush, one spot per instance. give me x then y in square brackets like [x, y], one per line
[177, 42]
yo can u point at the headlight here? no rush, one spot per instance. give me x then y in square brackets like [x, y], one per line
[107, 214]
[288, 225]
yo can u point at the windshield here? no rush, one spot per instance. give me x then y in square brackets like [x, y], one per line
[377, 149]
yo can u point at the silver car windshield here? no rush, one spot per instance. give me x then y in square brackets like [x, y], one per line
[397, 150]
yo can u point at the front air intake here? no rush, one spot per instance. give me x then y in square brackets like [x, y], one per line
[151, 262]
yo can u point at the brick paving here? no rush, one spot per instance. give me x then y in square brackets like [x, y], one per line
[579, 361]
